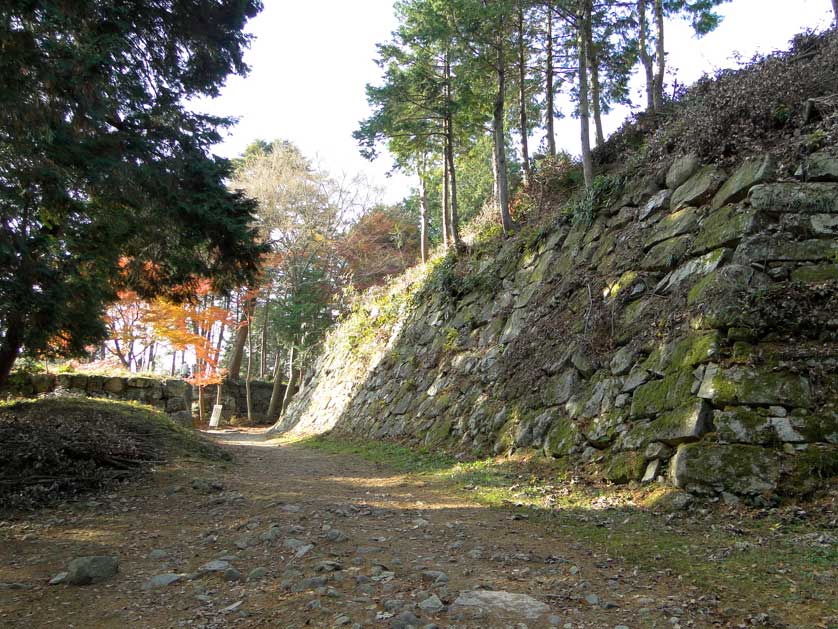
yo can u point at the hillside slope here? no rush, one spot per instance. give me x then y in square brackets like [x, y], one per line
[680, 330]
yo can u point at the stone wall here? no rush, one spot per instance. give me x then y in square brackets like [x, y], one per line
[687, 334]
[172, 395]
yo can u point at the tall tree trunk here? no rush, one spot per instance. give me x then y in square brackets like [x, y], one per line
[248, 374]
[9, 349]
[645, 56]
[548, 87]
[292, 381]
[276, 403]
[499, 136]
[593, 65]
[201, 403]
[174, 363]
[423, 218]
[446, 193]
[522, 96]
[661, 57]
[453, 222]
[584, 114]
[241, 336]
[263, 341]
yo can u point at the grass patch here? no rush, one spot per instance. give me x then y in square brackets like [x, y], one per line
[759, 559]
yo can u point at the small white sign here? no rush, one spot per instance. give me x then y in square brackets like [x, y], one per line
[216, 415]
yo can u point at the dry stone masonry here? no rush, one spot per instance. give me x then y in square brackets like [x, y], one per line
[688, 334]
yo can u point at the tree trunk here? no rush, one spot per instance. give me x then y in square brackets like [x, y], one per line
[174, 363]
[276, 403]
[9, 349]
[423, 218]
[201, 403]
[292, 382]
[445, 189]
[587, 162]
[263, 341]
[453, 222]
[549, 88]
[522, 97]
[593, 64]
[645, 57]
[499, 136]
[248, 374]
[241, 337]
[661, 58]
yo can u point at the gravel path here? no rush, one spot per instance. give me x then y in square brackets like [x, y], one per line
[290, 537]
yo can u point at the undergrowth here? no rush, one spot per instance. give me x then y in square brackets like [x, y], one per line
[56, 448]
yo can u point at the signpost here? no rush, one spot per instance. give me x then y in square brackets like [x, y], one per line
[216, 416]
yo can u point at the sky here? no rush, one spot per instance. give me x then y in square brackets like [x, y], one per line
[310, 62]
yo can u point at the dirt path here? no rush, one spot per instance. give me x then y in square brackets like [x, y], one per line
[333, 541]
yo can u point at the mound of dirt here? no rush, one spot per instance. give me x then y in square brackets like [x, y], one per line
[56, 448]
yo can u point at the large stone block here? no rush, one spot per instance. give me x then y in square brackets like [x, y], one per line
[624, 467]
[719, 296]
[808, 198]
[674, 224]
[681, 170]
[819, 166]
[736, 386]
[666, 394]
[693, 270]
[115, 385]
[752, 171]
[698, 189]
[723, 228]
[681, 425]
[738, 469]
[665, 255]
[684, 353]
[764, 248]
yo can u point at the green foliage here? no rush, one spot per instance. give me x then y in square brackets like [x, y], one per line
[602, 192]
[108, 181]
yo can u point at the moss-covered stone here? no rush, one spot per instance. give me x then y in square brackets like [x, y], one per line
[821, 198]
[719, 296]
[681, 170]
[809, 470]
[740, 424]
[439, 432]
[681, 425]
[816, 273]
[699, 188]
[693, 269]
[669, 393]
[614, 288]
[722, 228]
[714, 468]
[561, 437]
[694, 349]
[821, 425]
[665, 255]
[751, 386]
[766, 248]
[752, 171]
[675, 224]
[624, 467]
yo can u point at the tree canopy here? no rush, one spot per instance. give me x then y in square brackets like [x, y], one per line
[106, 180]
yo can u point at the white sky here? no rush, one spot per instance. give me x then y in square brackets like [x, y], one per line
[311, 60]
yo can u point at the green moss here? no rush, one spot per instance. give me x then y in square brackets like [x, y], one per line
[560, 438]
[811, 469]
[815, 274]
[669, 393]
[685, 353]
[439, 433]
[819, 427]
[625, 467]
[760, 387]
[722, 228]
